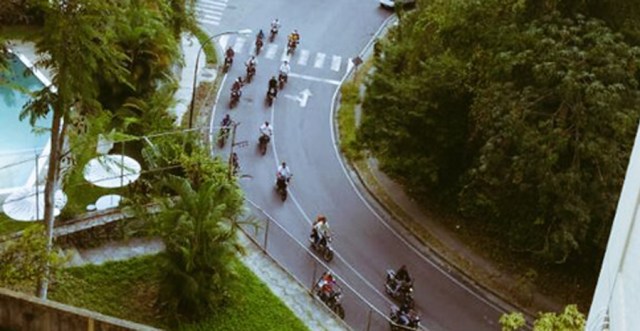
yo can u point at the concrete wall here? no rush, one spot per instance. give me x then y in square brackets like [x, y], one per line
[21, 312]
[617, 296]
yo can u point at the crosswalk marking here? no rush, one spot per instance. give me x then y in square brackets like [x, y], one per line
[271, 51]
[237, 47]
[304, 57]
[210, 11]
[301, 57]
[335, 62]
[319, 60]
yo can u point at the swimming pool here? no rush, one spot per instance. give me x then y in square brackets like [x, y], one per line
[20, 146]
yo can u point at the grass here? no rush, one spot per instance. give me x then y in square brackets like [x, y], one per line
[208, 49]
[8, 225]
[127, 290]
[349, 103]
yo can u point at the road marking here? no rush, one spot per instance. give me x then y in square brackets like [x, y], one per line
[271, 51]
[315, 79]
[212, 5]
[237, 47]
[208, 13]
[302, 99]
[223, 40]
[208, 21]
[304, 57]
[319, 60]
[335, 62]
[349, 64]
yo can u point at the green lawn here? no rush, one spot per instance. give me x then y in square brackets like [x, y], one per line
[128, 290]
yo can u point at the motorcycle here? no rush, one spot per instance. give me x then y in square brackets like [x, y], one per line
[402, 292]
[291, 47]
[282, 79]
[223, 134]
[322, 247]
[281, 187]
[272, 35]
[251, 71]
[228, 61]
[332, 299]
[259, 44]
[235, 98]
[263, 141]
[271, 95]
[403, 321]
[235, 164]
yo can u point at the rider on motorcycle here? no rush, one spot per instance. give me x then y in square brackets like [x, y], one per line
[251, 62]
[260, 35]
[285, 69]
[230, 53]
[283, 175]
[273, 86]
[325, 285]
[226, 121]
[401, 278]
[320, 231]
[275, 25]
[266, 130]
[294, 37]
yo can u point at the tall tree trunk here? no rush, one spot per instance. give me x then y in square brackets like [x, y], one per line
[49, 192]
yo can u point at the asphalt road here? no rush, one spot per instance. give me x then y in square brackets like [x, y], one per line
[332, 31]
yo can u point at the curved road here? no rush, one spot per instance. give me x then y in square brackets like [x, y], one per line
[332, 31]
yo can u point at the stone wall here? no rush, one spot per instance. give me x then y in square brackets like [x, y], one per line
[21, 312]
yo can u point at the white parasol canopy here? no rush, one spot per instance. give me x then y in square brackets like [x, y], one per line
[21, 205]
[108, 201]
[112, 171]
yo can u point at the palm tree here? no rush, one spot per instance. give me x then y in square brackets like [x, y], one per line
[77, 47]
[198, 229]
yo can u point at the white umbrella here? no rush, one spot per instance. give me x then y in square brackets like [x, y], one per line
[27, 204]
[112, 171]
[108, 201]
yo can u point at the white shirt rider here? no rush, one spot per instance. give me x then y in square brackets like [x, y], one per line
[285, 68]
[275, 25]
[283, 171]
[266, 129]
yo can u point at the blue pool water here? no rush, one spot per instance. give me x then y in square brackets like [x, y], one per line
[19, 144]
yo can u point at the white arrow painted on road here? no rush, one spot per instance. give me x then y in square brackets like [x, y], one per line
[302, 99]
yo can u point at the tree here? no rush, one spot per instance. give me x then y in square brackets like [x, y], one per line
[77, 47]
[571, 319]
[198, 228]
[522, 123]
[23, 260]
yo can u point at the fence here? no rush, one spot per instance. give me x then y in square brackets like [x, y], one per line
[306, 267]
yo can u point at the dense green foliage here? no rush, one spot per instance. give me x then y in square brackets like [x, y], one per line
[22, 260]
[571, 319]
[198, 228]
[127, 289]
[514, 115]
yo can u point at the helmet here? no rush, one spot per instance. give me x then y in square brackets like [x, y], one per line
[284, 164]
[321, 218]
[286, 62]
[266, 123]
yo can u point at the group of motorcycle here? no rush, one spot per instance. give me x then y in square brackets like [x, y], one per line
[236, 92]
[398, 285]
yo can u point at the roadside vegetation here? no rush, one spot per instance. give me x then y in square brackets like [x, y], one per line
[115, 82]
[126, 290]
[516, 124]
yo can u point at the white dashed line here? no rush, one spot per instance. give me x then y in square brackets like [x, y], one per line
[319, 60]
[335, 62]
[304, 57]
